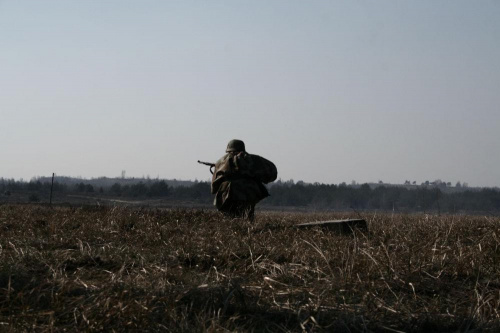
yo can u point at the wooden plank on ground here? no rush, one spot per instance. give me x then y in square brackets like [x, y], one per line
[345, 226]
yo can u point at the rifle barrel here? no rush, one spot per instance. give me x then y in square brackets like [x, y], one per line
[211, 165]
[206, 163]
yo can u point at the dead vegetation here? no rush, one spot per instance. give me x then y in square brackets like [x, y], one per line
[116, 268]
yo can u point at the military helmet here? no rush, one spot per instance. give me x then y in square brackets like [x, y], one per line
[235, 145]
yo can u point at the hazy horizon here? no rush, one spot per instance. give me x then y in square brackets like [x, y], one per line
[279, 179]
[329, 91]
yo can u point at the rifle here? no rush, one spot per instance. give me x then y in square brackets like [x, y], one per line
[211, 165]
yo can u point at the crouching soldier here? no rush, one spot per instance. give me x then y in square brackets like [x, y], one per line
[238, 181]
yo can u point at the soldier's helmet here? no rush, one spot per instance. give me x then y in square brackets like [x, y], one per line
[235, 145]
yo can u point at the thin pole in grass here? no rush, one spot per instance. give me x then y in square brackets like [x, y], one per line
[437, 200]
[51, 188]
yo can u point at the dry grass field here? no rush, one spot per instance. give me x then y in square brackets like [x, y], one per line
[189, 270]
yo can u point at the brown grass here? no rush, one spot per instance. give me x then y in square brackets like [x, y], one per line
[116, 268]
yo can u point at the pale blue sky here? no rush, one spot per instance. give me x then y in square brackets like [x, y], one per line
[330, 91]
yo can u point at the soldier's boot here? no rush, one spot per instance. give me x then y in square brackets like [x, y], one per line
[251, 213]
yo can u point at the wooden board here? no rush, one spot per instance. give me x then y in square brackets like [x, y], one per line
[340, 225]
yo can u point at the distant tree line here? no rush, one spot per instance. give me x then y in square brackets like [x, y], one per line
[286, 194]
[382, 198]
[199, 191]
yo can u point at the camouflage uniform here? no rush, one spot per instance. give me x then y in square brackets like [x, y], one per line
[237, 182]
